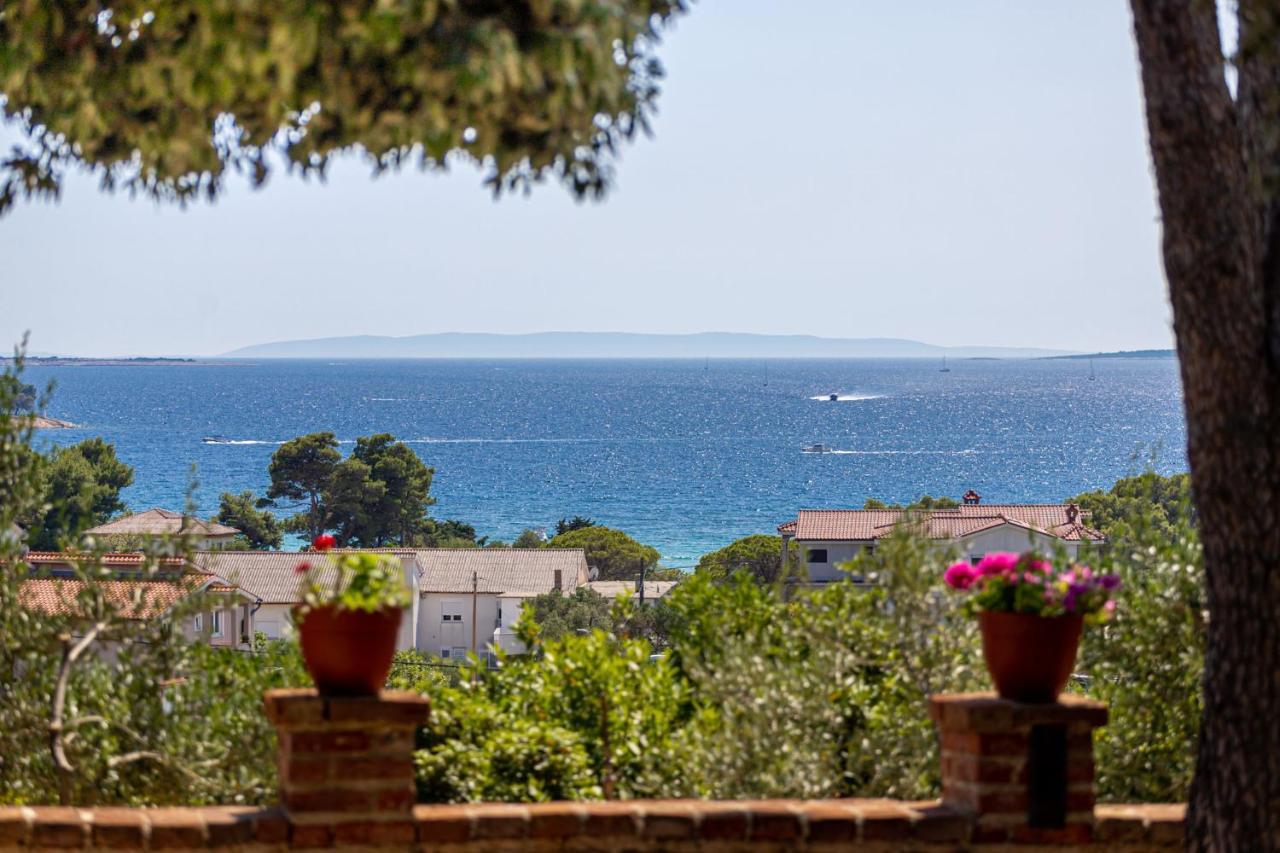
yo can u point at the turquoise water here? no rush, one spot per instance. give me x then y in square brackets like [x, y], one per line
[685, 455]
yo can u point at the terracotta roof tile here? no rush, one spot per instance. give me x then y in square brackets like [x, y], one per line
[161, 522]
[864, 525]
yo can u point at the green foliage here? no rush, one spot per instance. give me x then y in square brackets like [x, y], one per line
[259, 528]
[614, 553]
[760, 555]
[378, 496]
[1147, 665]
[576, 523]
[558, 615]
[164, 99]
[19, 396]
[412, 670]
[363, 581]
[528, 538]
[1146, 505]
[450, 533]
[300, 470]
[81, 489]
[923, 502]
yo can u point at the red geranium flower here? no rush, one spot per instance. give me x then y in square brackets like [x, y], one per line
[324, 542]
[302, 568]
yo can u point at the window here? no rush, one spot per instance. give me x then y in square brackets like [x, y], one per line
[817, 555]
[198, 622]
[974, 559]
[217, 623]
[451, 611]
[444, 654]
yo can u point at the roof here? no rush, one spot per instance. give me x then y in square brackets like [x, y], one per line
[139, 597]
[864, 525]
[500, 570]
[161, 522]
[615, 589]
[271, 576]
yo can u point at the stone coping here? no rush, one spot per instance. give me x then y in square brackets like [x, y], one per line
[649, 825]
[987, 713]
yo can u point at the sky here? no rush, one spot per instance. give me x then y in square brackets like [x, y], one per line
[960, 174]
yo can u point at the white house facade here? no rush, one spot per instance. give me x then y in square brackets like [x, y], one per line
[824, 539]
[467, 599]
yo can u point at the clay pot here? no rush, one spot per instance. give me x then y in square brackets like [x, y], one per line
[348, 652]
[1030, 658]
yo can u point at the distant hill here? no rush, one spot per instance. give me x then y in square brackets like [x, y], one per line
[1131, 353]
[621, 345]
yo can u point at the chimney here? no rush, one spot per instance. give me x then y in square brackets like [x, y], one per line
[1073, 512]
[972, 498]
[559, 583]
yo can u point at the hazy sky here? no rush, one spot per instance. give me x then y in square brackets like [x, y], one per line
[970, 173]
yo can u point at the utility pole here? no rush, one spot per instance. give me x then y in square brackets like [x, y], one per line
[475, 585]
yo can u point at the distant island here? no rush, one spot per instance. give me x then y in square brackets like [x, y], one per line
[1131, 353]
[622, 345]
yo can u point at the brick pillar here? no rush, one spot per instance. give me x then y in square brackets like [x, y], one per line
[1024, 772]
[346, 765]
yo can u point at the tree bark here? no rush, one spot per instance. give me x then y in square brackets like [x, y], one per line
[1214, 160]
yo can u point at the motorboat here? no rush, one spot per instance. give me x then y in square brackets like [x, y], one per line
[817, 448]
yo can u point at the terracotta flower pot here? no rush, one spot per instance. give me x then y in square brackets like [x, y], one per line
[348, 652]
[1030, 658]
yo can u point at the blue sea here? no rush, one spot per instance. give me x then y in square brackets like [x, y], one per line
[684, 455]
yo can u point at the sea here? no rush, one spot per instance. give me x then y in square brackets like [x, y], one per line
[685, 455]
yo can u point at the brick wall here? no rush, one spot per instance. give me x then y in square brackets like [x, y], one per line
[1013, 775]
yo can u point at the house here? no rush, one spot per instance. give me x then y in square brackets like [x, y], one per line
[826, 538]
[468, 598]
[613, 590]
[157, 523]
[272, 577]
[143, 591]
[472, 597]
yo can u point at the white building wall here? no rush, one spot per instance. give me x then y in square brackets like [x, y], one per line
[436, 634]
[1007, 537]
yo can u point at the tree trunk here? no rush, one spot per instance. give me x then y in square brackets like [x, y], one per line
[1214, 160]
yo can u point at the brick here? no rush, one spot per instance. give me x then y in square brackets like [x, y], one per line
[395, 800]
[328, 800]
[1080, 833]
[59, 826]
[270, 826]
[1080, 801]
[305, 770]
[670, 820]
[391, 743]
[611, 820]
[176, 829]
[966, 743]
[775, 820]
[15, 826]
[324, 742]
[120, 829]
[1012, 801]
[374, 768]
[396, 708]
[443, 824]
[883, 820]
[971, 768]
[555, 820]
[1119, 824]
[401, 832]
[293, 707]
[935, 823]
[1166, 823]
[723, 821]
[229, 826]
[499, 820]
[985, 834]
[831, 821]
[311, 835]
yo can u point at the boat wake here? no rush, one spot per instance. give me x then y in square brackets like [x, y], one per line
[237, 441]
[845, 398]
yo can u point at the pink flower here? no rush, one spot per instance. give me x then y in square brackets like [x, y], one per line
[324, 542]
[1042, 566]
[959, 576]
[302, 568]
[1110, 606]
[999, 563]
